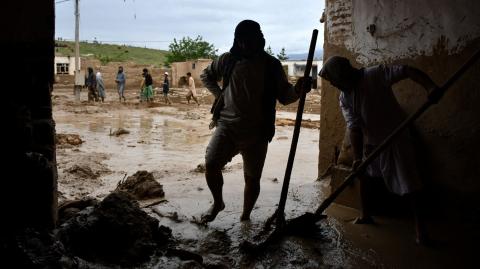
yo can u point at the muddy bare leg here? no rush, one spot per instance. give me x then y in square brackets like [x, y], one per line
[366, 218]
[421, 237]
[195, 99]
[214, 177]
[250, 196]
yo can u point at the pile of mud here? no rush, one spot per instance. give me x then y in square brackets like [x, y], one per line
[115, 231]
[68, 139]
[142, 186]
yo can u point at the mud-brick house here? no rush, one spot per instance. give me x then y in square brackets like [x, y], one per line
[195, 67]
[436, 36]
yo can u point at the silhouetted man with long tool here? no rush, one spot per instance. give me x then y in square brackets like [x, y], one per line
[372, 112]
[244, 113]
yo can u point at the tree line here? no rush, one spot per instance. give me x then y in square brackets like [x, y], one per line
[188, 48]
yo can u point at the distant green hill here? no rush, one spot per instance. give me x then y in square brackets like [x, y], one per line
[113, 53]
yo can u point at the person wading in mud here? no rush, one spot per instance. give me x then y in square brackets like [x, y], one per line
[166, 89]
[91, 83]
[192, 92]
[146, 93]
[246, 120]
[372, 112]
[120, 80]
[100, 86]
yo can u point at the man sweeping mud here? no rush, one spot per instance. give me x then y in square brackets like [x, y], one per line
[371, 113]
[245, 112]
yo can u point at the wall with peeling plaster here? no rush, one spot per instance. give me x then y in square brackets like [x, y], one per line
[403, 28]
[436, 36]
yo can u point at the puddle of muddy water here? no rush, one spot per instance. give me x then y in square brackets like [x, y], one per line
[171, 142]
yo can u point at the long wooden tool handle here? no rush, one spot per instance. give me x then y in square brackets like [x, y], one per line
[433, 98]
[296, 130]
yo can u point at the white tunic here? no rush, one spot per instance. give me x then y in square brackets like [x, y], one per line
[373, 107]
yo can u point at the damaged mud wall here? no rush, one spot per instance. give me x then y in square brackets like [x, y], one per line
[436, 36]
[133, 72]
[28, 185]
[195, 67]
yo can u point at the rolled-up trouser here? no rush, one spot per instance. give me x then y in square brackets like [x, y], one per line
[121, 89]
[226, 143]
[92, 94]
[101, 92]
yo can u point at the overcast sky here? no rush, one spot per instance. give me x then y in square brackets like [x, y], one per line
[284, 23]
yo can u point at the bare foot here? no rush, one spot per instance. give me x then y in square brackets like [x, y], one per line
[245, 217]
[212, 212]
[422, 239]
[364, 220]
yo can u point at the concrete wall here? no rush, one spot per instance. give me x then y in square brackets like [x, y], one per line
[436, 36]
[195, 67]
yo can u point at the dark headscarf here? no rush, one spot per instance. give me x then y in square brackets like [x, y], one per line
[335, 69]
[248, 31]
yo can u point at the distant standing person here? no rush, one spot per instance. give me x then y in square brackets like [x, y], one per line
[100, 86]
[146, 87]
[91, 83]
[166, 89]
[192, 93]
[120, 80]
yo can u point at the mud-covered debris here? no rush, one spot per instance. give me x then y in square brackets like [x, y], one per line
[200, 168]
[184, 255]
[190, 264]
[171, 215]
[216, 242]
[119, 132]
[35, 249]
[212, 261]
[83, 171]
[115, 231]
[306, 123]
[68, 209]
[68, 139]
[192, 116]
[142, 186]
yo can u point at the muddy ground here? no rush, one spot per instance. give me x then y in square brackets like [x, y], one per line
[102, 144]
[170, 142]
